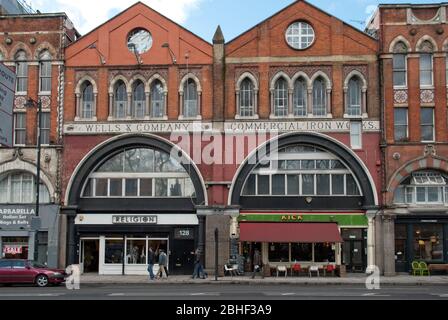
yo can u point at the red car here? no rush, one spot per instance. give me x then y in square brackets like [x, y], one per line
[26, 271]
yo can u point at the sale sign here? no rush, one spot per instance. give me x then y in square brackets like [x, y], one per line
[13, 250]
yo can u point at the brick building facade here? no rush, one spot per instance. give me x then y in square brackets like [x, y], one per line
[413, 43]
[33, 45]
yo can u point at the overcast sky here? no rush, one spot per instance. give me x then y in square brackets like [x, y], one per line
[203, 16]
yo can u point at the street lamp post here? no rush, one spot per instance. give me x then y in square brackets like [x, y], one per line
[30, 104]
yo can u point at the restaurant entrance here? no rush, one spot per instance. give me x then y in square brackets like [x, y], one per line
[354, 249]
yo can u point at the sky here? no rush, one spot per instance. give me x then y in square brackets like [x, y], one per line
[203, 16]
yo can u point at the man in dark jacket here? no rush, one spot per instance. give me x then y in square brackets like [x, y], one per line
[151, 257]
[258, 264]
[162, 265]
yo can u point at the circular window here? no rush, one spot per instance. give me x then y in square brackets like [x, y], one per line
[139, 40]
[300, 35]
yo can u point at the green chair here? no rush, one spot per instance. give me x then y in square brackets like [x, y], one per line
[416, 271]
[424, 270]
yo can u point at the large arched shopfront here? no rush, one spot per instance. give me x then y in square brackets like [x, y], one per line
[305, 198]
[128, 195]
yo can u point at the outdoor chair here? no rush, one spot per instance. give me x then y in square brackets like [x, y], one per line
[314, 269]
[230, 270]
[330, 270]
[424, 270]
[282, 269]
[416, 271]
[296, 268]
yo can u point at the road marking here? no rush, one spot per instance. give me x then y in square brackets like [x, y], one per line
[13, 295]
[288, 294]
[441, 295]
[375, 295]
[116, 294]
[205, 294]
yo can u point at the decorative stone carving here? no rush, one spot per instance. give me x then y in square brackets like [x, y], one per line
[146, 73]
[400, 96]
[253, 70]
[309, 70]
[360, 68]
[19, 102]
[400, 47]
[427, 96]
[91, 73]
[426, 46]
[46, 102]
[430, 150]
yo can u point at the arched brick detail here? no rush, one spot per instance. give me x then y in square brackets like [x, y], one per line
[423, 163]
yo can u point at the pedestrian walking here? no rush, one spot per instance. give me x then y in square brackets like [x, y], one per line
[258, 264]
[151, 257]
[162, 265]
[198, 267]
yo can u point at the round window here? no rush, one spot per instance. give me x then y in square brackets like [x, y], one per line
[139, 40]
[300, 35]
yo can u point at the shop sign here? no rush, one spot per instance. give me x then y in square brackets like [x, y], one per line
[14, 250]
[13, 217]
[134, 219]
[292, 218]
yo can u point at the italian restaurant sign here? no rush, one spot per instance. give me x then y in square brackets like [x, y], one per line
[16, 217]
[231, 127]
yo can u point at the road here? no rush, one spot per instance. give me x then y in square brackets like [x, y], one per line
[224, 292]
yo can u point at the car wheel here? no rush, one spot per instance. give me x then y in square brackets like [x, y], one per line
[42, 280]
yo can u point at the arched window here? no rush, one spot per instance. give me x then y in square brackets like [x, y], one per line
[302, 171]
[319, 98]
[139, 173]
[139, 100]
[19, 188]
[400, 64]
[120, 100]
[426, 63]
[45, 71]
[281, 108]
[191, 108]
[423, 188]
[354, 97]
[21, 71]
[87, 100]
[247, 101]
[157, 100]
[300, 97]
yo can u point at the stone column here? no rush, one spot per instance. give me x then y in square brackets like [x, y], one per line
[237, 103]
[129, 112]
[199, 104]
[389, 245]
[309, 104]
[95, 99]
[290, 102]
[147, 107]
[111, 106]
[329, 104]
[165, 104]
[255, 102]
[345, 101]
[371, 215]
[31, 244]
[181, 104]
[78, 106]
[272, 103]
[364, 103]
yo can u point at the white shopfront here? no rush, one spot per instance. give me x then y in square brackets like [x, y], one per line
[118, 244]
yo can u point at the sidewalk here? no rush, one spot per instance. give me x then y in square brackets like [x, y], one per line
[350, 280]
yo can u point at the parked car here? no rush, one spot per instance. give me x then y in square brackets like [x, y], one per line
[32, 272]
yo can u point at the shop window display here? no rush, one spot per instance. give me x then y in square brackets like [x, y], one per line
[428, 242]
